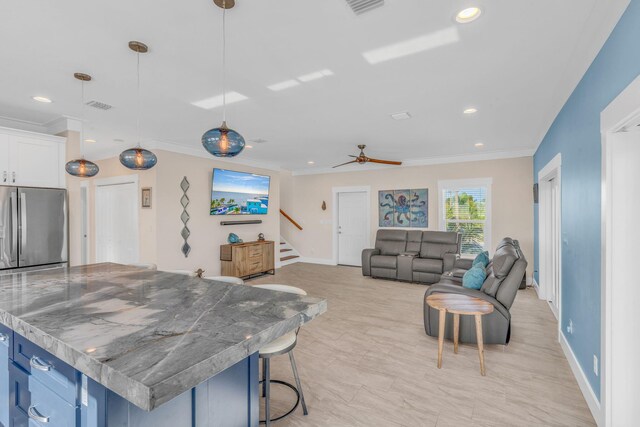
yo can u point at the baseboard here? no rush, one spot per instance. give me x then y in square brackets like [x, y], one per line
[322, 261]
[585, 387]
[536, 287]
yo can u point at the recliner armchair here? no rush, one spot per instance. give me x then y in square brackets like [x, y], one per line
[504, 275]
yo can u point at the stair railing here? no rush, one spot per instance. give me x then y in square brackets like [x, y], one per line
[291, 220]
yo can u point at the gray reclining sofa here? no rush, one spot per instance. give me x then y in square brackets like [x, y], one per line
[412, 256]
[504, 275]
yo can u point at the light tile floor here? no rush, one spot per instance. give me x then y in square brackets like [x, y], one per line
[368, 362]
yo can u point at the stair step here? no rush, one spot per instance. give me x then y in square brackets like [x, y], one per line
[287, 258]
[285, 250]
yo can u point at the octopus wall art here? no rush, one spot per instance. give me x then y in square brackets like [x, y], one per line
[403, 208]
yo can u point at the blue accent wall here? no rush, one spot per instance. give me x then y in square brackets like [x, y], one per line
[576, 134]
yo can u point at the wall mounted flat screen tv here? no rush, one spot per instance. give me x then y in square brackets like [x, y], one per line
[239, 193]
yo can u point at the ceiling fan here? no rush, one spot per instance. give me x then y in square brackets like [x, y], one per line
[362, 159]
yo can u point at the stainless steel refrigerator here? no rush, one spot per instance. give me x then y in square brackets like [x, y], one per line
[33, 227]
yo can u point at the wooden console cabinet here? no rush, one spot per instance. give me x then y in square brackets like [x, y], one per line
[247, 259]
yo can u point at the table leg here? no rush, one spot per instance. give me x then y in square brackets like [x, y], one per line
[441, 325]
[480, 342]
[456, 332]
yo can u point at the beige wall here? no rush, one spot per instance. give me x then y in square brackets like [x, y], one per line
[512, 200]
[160, 226]
[73, 194]
[206, 232]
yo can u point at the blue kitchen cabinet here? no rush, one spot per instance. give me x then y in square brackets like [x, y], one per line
[5, 348]
[42, 391]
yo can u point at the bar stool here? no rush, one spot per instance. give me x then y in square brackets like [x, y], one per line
[282, 345]
[227, 279]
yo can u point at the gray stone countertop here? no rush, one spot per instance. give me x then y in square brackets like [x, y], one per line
[147, 335]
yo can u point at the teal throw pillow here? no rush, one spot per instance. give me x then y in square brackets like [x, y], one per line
[482, 257]
[474, 278]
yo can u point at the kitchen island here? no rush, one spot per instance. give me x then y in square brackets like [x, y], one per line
[111, 345]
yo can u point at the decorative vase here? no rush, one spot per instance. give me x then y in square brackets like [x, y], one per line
[233, 238]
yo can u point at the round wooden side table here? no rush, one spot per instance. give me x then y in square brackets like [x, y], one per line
[457, 304]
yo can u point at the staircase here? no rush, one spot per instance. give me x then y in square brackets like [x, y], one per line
[288, 254]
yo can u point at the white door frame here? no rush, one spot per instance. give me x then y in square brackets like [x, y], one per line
[367, 210]
[622, 111]
[119, 180]
[552, 170]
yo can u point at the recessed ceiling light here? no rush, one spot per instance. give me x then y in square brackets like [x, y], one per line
[469, 14]
[315, 75]
[412, 46]
[479, 144]
[401, 116]
[283, 85]
[42, 99]
[311, 162]
[90, 140]
[248, 146]
[216, 101]
[471, 110]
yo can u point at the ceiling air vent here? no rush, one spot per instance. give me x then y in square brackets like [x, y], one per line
[99, 105]
[361, 6]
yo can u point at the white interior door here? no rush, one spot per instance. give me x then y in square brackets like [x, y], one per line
[116, 214]
[550, 209]
[623, 293]
[352, 227]
[84, 236]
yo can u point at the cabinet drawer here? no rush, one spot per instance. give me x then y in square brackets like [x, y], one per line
[255, 251]
[49, 409]
[46, 368]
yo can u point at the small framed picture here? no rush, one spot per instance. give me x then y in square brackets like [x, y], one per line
[146, 197]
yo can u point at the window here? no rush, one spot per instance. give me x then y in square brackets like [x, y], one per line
[465, 207]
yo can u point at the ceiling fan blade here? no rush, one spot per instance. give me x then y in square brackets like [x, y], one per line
[353, 161]
[384, 162]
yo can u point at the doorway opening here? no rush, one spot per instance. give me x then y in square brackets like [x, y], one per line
[116, 220]
[550, 198]
[352, 229]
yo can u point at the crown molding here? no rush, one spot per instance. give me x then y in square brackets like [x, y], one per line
[492, 155]
[63, 124]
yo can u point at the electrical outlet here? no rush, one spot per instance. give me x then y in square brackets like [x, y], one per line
[595, 365]
[570, 327]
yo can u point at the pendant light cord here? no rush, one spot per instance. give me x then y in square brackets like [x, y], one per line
[224, 62]
[138, 89]
[82, 115]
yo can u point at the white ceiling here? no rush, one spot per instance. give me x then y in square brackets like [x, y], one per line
[517, 64]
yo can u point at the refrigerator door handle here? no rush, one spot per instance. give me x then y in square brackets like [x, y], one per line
[23, 224]
[14, 224]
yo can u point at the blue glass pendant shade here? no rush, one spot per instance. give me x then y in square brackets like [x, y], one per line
[82, 168]
[138, 159]
[223, 142]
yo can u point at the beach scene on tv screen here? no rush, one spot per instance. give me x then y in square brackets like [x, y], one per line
[239, 193]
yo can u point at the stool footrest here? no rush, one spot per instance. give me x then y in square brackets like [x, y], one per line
[295, 406]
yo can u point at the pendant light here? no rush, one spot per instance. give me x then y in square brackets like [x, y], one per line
[222, 141]
[80, 167]
[138, 158]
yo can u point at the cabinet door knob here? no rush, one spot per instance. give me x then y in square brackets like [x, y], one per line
[4, 337]
[4, 176]
[35, 415]
[14, 177]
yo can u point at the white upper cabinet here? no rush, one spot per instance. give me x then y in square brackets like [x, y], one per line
[31, 159]
[4, 159]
